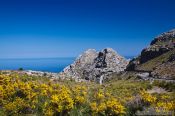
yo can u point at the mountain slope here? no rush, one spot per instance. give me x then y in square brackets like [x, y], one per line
[158, 58]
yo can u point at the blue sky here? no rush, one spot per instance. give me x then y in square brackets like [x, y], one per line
[65, 28]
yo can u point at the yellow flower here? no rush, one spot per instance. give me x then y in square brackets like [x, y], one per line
[115, 107]
[100, 95]
[10, 106]
[165, 106]
[148, 97]
[79, 99]
[164, 97]
[93, 106]
[59, 108]
[54, 98]
[49, 112]
[102, 107]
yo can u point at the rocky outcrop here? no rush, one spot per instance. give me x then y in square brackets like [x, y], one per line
[165, 38]
[150, 53]
[158, 59]
[160, 45]
[96, 66]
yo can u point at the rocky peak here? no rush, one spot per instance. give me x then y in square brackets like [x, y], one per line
[87, 57]
[92, 65]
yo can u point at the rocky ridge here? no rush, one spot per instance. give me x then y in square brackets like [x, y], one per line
[96, 66]
[157, 58]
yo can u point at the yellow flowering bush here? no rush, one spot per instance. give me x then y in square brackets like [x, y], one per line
[79, 94]
[106, 104]
[114, 106]
[21, 94]
[48, 97]
[60, 101]
[165, 104]
[148, 98]
[162, 103]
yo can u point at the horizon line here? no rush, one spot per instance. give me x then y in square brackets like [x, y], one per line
[54, 57]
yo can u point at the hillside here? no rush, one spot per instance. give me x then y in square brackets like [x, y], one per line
[158, 58]
[161, 66]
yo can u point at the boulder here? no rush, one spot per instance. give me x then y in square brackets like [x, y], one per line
[143, 75]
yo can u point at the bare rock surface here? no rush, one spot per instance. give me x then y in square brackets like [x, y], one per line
[96, 66]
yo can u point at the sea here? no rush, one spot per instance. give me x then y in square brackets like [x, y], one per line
[54, 65]
[38, 64]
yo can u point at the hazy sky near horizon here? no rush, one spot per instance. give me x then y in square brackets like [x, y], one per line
[65, 28]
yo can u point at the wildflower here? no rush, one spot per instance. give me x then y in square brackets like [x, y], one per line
[115, 107]
[102, 107]
[54, 98]
[147, 97]
[93, 106]
[100, 95]
[49, 112]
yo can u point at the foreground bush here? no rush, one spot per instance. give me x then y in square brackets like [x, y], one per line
[162, 103]
[22, 94]
[50, 98]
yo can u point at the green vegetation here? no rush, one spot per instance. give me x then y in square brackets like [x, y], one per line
[20, 69]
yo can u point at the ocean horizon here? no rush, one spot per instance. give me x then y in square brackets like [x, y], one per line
[54, 65]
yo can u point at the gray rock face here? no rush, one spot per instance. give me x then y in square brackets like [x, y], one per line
[96, 66]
